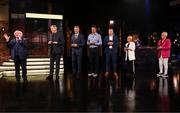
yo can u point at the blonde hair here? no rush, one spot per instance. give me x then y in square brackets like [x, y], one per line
[166, 33]
[130, 37]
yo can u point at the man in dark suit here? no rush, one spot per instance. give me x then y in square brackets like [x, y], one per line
[77, 43]
[111, 45]
[56, 43]
[18, 47]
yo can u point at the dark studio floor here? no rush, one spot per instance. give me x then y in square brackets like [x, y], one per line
[145, 92]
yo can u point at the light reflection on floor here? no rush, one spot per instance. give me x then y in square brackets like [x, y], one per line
[145, 92]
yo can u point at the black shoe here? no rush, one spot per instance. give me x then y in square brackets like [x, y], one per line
[18, 80]
[57, 77]
[49, 78]
[25, 83]
[25, 80]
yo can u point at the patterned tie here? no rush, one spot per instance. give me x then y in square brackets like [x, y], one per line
[76, 35]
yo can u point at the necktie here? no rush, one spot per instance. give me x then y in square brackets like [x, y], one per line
[76, 35]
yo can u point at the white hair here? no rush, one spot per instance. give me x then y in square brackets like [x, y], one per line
[18, 31]
[166, 33]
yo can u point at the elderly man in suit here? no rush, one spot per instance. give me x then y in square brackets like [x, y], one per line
[18, 46]
[77, 43]
[111, 45]
[56, 43]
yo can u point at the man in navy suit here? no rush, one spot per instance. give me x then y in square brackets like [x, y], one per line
[56, 43]
[111, 45]
[18, 47]
[77, 43]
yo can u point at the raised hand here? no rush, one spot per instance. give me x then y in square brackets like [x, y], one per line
[6, 37]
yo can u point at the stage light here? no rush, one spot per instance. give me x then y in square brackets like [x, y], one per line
[44, 16]
[3, 29]
[111, 22]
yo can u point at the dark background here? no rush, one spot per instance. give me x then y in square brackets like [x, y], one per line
[143, 17]
[140, 16]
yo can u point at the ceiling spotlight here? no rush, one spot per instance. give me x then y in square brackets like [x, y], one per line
[111, 22]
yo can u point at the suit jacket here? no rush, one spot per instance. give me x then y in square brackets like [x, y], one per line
[166, 47]
[59, 47]
[130, 54]
[115, 44]
[80, 43]
[22, 50]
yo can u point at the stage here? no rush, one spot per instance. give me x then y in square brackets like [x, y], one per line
[143, 93]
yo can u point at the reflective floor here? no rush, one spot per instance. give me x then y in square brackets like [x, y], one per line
[145, 92]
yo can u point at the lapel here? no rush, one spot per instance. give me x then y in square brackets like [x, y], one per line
[74, 37]
[112, 38]
[162, 43]
[128, 44]
[54, 37]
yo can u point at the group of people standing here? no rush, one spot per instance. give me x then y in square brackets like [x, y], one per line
[56, 41]
[94, 41]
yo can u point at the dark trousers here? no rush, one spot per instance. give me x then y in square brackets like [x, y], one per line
[20, 62]
[111, 57]
[54, 58]
[130, 67]
[94, 60]
[76, 62]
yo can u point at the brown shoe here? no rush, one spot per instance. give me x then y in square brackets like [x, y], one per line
[115, 75]
[106, 74]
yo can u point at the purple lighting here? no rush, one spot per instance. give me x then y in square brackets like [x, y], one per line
[147, 5]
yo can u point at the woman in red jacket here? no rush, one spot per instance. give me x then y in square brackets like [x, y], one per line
[163, 47]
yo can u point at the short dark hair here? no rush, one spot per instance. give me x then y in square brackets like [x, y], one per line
[77, 26]
[111, 29]
[94, 26]
[53, 26]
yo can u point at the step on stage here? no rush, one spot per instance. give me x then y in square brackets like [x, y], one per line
[35, 67]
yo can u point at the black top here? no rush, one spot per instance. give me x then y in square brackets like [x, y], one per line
[59, 47]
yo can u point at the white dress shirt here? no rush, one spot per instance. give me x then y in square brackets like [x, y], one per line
[110, 39]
